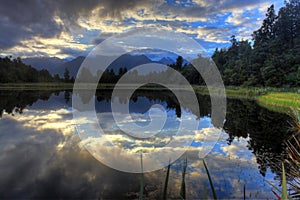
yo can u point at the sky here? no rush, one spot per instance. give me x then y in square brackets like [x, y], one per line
[57, 153]
[67, 29]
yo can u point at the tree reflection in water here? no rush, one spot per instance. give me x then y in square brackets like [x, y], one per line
[266, 130]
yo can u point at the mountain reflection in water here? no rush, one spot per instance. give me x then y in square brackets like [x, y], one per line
[42, 155]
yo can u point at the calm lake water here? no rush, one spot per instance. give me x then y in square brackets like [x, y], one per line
[42, 155]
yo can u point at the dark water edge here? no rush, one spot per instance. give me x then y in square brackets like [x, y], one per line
[47, 163]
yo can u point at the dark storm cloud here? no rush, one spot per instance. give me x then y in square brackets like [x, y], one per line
[24, 19]
[209, 7]
[229, 4]
[29, 149]
[72, 51]
[101, 38]
[32, 167]
[21, 19]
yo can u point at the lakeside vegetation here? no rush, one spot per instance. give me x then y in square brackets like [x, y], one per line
[275, 99]
[36, 86]
[272, 58]
[267, 70]
[265, 142]
[284, 99]
[44, 147]
[281, 100]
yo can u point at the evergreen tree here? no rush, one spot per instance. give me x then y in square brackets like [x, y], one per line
[273, 60]
[179, 62]
[15, 71]
[267, 30]
[66, 75]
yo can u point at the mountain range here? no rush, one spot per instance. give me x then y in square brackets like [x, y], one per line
[57, 66]
[48, 63]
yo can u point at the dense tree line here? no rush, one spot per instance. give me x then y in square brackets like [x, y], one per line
[15, 71]
[273, 59]
[107, 76]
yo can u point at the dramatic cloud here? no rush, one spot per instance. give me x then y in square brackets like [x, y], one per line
[64, 28]
[42, 155]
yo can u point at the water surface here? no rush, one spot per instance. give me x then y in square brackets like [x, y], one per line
[42, 155]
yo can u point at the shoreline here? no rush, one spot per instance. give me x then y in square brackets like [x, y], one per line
[275, 99]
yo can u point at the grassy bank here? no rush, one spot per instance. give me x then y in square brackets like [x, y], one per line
[36, 86]
[276, 99]
[69, 86]
[283, 99]
[280, 101]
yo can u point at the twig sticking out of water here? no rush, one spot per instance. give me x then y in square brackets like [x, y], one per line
[210, 181]
[182, 189]
[142, 179]
[167, 181]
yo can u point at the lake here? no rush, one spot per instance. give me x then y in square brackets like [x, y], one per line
[42, 155]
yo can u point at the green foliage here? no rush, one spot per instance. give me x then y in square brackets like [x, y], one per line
[15, 71]
[273, 60]
[179, 62]
[293, 150]
[287, 100]
[178, 65]
[67, 75]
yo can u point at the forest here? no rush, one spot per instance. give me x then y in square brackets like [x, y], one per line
[15, 71]
[270, 59]
[273, 59]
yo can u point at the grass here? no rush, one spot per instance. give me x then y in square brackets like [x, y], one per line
[281, 99]
[284, 194]
[210, 181]
[182, 192]
[293, 164]
[36, 86]
[142, 179]
[275, 99]
[182, 189]
[283, 191]
[69, 86]
[293, 152]
[247, 92]
[167, 181]
[291, 177]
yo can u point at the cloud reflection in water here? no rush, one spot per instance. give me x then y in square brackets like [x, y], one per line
[42, 156]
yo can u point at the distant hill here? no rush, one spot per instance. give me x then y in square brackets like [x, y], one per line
[166, 61]
[73, 67]
[48, 63]
[126, 60]
[170, 60]
[15, 71]
[57, 66]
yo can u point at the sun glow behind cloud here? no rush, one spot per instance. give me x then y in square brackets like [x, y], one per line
[34, 127]
[70, 29]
